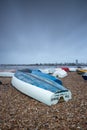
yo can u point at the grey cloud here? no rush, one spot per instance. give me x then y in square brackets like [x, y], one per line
[42, 31]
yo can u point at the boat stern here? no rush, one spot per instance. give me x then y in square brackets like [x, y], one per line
[61, 96]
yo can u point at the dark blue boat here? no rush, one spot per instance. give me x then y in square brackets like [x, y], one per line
[84, 76]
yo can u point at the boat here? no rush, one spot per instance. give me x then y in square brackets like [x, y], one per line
[39, 88]
[81, 71]
[45, 76]
[60, 73]
[72, 69]
[6, 74]
[47, 70]
[65, 68]
[84, 76]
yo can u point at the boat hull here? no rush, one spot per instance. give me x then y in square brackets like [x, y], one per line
[6, 74]
[47, 94]
[84, 76]
[34, 92]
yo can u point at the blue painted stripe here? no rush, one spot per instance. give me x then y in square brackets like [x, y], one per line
[43, 75]
[39, 82]
[46, 76]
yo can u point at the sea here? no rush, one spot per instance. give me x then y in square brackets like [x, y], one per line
[17, 67]
[21, 66]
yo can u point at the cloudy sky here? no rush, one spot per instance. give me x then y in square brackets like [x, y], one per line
[43, 31]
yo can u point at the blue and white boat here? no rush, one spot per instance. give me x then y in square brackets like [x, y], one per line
[40, 87]
[43, 75]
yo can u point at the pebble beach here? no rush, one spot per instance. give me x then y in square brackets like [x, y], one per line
[20, 112]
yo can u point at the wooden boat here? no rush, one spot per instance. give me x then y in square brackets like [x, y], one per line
[40, 88]
[84, 76]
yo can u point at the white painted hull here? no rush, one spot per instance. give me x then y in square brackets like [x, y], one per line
[6, 74]
[39, 94]
[72, 69]
[60, 73]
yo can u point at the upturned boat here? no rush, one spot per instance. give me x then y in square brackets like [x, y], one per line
[84, 76]
[42, 89]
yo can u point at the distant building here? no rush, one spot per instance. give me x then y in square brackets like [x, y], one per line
[76, 62]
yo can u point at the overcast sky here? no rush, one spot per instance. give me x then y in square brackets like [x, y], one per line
[43, 31]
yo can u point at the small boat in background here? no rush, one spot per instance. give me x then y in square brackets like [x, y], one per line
[81, 71]
[6, 74]
[72, 69]
[47, 70]
[66, 69]
[43, 75]
[60, 73]
[40, 87]
[84, 76]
